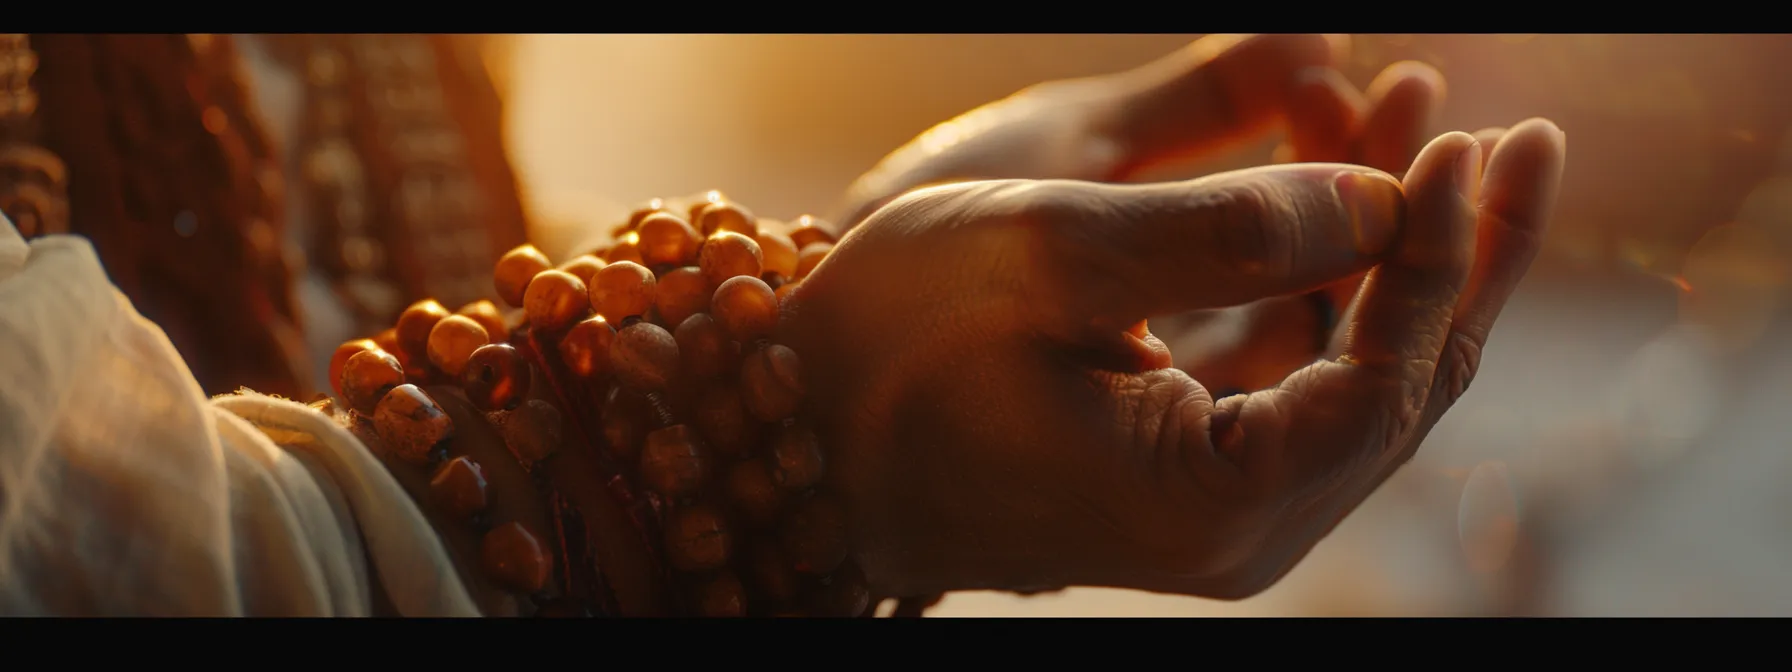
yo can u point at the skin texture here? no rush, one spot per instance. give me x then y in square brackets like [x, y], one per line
[993, 410]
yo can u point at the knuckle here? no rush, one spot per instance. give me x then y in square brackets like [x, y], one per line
[1252, 231]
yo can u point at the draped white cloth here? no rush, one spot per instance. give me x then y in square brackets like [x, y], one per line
[125, 492]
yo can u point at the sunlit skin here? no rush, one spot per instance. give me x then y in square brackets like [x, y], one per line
[1000, 418]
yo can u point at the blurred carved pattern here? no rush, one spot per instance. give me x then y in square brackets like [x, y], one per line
[33, 181]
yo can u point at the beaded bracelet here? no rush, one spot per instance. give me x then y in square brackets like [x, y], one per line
[681, 408]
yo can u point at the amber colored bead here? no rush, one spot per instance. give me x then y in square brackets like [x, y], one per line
[811, 257]
[710, 198]
[722, 419]
[533, 431]
[556, 300]
[515, 270]
[673, 462]
[697, 539]
[682, 292]
[414, 325]
[584, 266]
[784, 291]
[453, 340]
[487, 315]
[722, 596]
[459, 488]
[845, 595]
[777, 253]
[652, 206]
[726, 216]
[814, 535]
[644, 357]
[622, 290]
[727, 254]
[750, 489]
[339, 360]
[516, 558]
[796, 459]
[586, 348]
[772, 573]
[625, 424]
[746, 308]
[666, 239]
[807, 230]
[387, 340]
[411, 424]
[704, 348]
[771, 382]
[366, 378]
[497, 377]
[627, 248]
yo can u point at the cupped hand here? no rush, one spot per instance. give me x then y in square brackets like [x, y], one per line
[976, 356]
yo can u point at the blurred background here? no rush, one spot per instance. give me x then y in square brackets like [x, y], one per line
[1624, 449]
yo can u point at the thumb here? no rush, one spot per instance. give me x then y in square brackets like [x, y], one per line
[1130, 252]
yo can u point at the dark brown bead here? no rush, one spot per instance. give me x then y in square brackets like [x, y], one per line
[771, 380]
[533, 431]
[727, 254]
[487, 315]
[497, 377]
[366, 378]
[453, 341]
[722, 596]
[704, 348]
[814, 535]
[682, 292]
[586, 348]
[723, 421]
[339, 360]
[808, 230]
[778, 253]
[414, 325]
[515, 270]
[516, 558]
[562, 607]
[411, 424]
[644, 357]
[622, 290]
[772, 573]
[556, 300]
[667, 239]
[459, 488]
[746, 308]
[697, 539]
[726, 216]
[796, 459]
[673, 462]
[811, 257]
[627, 248]
[751, 490]
[845, 594]
[584, 266]
[625, 422]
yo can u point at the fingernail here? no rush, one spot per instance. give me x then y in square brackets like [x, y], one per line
[1373, 202]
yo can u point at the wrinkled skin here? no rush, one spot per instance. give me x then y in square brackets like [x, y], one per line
[1218, 93]
[998, 422]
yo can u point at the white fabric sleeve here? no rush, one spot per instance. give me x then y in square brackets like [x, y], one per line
[125, 492]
